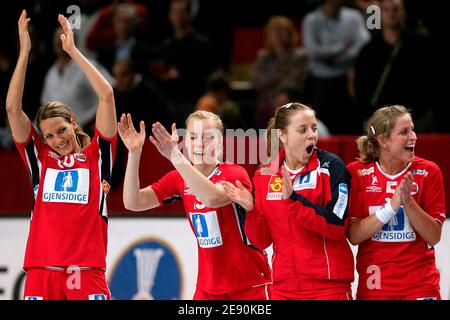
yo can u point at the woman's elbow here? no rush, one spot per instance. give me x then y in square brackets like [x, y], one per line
[107, 94]
[353, 238]
[353, 241]
[434, 240]
[215, 201]
[129, 206]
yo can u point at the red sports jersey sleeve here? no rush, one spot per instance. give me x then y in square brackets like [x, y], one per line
[328, 219]
[168, 187]
[434, 195]
[256, 226]
[355, 204]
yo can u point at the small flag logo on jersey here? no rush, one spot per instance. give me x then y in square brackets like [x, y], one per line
[106, 186]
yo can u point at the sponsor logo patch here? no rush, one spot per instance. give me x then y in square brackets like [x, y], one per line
[206, 228]
[275, 188]
[68, 186]
[341, 203]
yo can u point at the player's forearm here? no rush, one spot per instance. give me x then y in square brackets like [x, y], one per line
[15, 90]
[362, 229]
[203, 188]
[131, 182]
[101, 87]
[428, 228]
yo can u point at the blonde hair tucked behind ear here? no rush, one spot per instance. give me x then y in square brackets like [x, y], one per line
[55, 109]
[380, 124]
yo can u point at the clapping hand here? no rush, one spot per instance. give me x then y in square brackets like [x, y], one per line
[163, 141]
[132, 139]
[239, 194]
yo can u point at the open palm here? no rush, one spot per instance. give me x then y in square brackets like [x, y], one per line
[132, 139]
[239, 194]
[67, 39]
[24, 36]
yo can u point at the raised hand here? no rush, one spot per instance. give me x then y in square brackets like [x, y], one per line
[287, 184]
[130, 137]
[24, 36]
[163, 141]
[239, 194]
[67, 39]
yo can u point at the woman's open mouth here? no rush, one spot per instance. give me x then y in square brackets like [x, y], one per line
[310, 149]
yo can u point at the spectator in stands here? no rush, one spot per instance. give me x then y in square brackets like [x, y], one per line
[396, 209]
[189, 58]
[300, 208]
[279, 63]
[217, 100]
[66, 82]
[137, 96]
[103, 34]
[215, 220]
[6, 71]
[333, 36]
[399, 66]
[70, 176]
[126, 23]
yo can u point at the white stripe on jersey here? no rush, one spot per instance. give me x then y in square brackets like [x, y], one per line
[100, 175]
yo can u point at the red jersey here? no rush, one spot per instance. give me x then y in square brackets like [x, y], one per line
[69, 218]
[308, 231]
[406, 263]
[226, 260]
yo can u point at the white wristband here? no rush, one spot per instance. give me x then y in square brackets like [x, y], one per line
[385, 213]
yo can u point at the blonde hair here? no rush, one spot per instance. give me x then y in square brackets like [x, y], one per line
[55, 109]
[203, 115]
[380, 124]
[281, 121]
[276, 22]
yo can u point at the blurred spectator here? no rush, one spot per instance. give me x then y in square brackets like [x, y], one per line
[279, 63]
[6, 70]
[65, 82]
[399, 66]
[217, 100]
[39, 62]
[333, 36]
[291, 93]
[103, 33]
[135, 95]
[7, 64]
[189, 58]
[126, 22]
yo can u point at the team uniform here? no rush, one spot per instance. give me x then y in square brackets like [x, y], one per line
[312, 258]
[229, 267]
[396, 263]
[68, 229]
